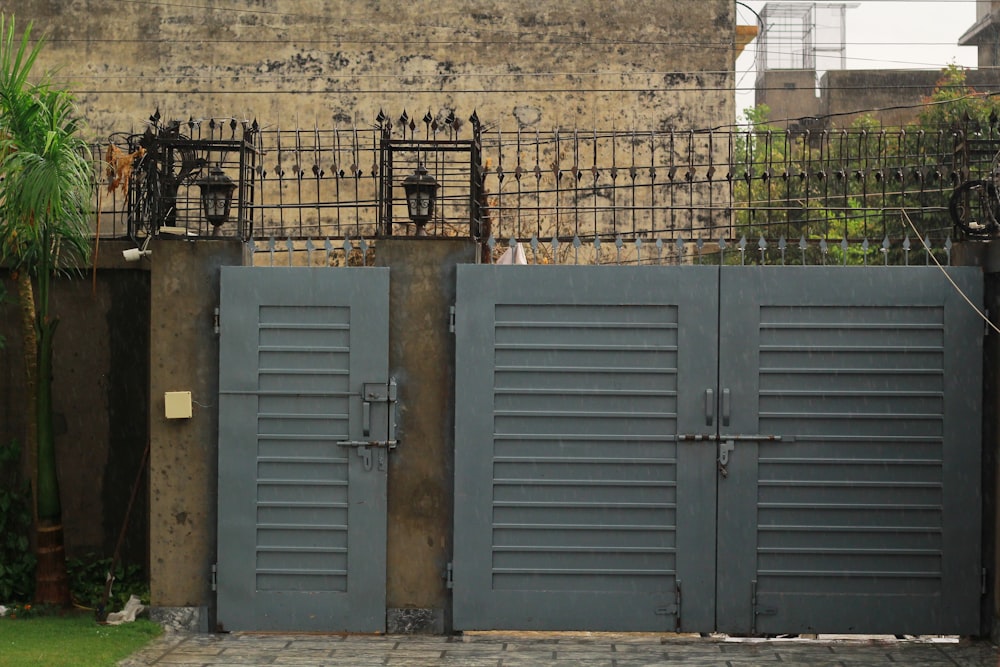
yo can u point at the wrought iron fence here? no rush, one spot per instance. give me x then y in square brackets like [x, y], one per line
[626, 196]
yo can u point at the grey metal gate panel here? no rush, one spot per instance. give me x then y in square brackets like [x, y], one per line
[864, 516]
[302, 519]
[581, 500]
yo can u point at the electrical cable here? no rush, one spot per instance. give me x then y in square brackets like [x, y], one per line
[953, 284]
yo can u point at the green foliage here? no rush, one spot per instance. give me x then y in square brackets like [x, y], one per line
[46, 177]
[72, 640]
[26, 610]
[17, 562]
[88, 577]
[46, 183]
[955, 104]
[852, 183]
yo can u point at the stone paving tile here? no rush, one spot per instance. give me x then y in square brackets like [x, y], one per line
[178, 659]
[371, 639]
[293, 657]
[751, 659]
[514, 661]
[153, 650]
[695, 652]
[713, 661]
[639, 656]
[637, 652]
[470, 655]
[536, 650]
[930, 654]
[328, 644]
[975, 655]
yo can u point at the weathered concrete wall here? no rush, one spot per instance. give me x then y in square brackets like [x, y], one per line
[421, 470]
[899, 92]
[100, 390]
[184, 349]
[789, 93]
[893, 97]
[647, 63]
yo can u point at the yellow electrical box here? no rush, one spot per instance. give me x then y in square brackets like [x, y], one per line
[177, 404]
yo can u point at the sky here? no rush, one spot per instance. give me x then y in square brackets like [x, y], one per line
[882, 34]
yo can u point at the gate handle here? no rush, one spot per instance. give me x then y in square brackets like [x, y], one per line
[366, 418]
[725, 407]
[709, 407]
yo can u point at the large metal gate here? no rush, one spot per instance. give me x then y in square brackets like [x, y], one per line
[743, 449]
[303, 439]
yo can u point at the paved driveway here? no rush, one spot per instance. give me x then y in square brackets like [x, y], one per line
[496, 649]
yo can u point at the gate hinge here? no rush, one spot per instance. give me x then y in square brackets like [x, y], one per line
[757, 609]
[215, 321]
[214, 576]
[449, 580]
[673, 609]
[451, 319]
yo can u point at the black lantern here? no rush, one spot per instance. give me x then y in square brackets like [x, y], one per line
[421, 193]
[216, 195]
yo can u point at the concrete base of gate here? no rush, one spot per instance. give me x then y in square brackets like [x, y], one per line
[414, 621]
[181, 619]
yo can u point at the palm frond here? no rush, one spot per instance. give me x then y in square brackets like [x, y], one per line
[46, 176]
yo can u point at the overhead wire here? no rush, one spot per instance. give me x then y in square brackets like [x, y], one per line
[958, 289]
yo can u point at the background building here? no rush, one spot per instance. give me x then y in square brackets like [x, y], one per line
[801, 94]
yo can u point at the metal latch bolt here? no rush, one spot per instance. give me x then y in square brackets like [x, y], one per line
[376, 392]
[725, 449]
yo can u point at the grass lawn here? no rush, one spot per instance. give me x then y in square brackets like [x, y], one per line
[74, 640]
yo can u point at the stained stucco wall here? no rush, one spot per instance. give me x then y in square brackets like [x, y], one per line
[651, 64]
[184, 353]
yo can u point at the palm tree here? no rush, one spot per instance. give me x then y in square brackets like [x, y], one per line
[46, 180]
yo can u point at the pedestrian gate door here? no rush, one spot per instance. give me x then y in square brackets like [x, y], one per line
[741, 449]
[305, 428]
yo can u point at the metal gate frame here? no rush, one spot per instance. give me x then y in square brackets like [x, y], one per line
[731, 322]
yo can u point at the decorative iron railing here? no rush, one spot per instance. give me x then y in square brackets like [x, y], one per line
[627, 196]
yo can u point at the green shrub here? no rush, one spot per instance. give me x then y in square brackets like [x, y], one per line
[88, 578]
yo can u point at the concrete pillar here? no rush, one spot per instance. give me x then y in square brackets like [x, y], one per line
[184, 356]
[987, 255]
[421, 469]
